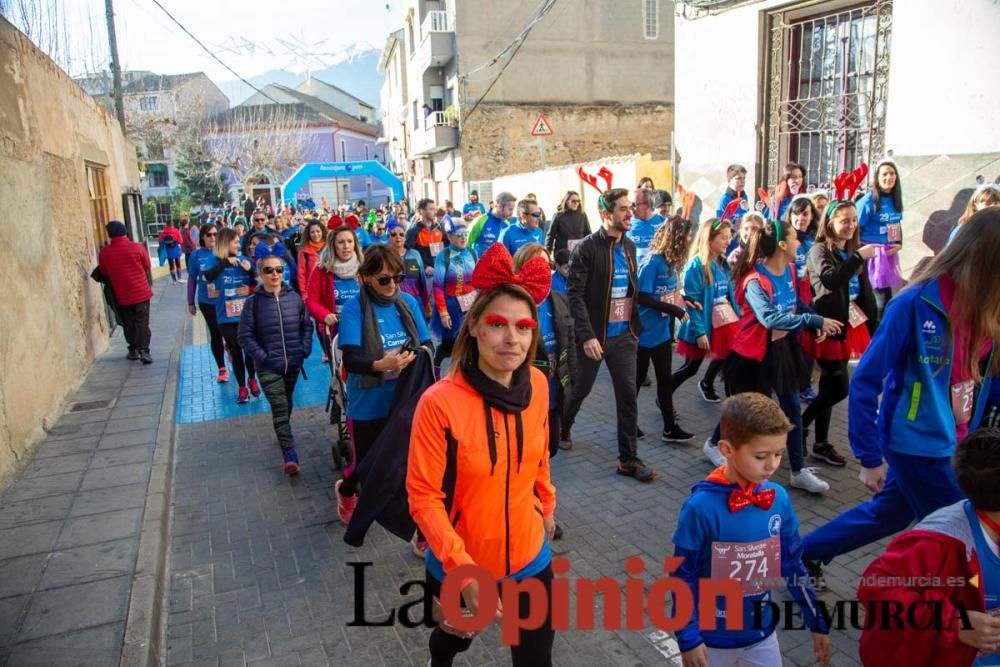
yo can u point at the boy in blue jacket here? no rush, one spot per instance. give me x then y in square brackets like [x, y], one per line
[737, 524]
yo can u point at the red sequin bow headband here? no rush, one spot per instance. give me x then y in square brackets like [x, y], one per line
[496, 267]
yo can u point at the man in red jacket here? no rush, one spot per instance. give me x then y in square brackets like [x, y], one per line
[126, 265]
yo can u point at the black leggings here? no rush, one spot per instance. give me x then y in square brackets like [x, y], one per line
[364, 433]
[661, 357]
[882, 297]
[214, 333]
[243, 365]
[534, 649]
[833, 386]
[175, 267]
[555, 429]
[690, 367]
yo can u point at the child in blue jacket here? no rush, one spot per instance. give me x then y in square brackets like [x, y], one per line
[739, 525]
[925, 381]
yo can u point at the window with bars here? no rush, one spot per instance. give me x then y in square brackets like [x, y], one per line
[826, 90]
[100, 205]
[651, 19]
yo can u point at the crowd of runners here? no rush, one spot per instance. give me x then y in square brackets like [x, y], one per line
[468, 340]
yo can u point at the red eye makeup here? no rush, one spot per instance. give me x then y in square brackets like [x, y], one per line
[496, 319]
[527, 323]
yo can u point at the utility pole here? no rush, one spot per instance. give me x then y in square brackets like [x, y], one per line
[116, 69]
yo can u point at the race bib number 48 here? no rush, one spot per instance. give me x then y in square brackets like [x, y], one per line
[756, 565]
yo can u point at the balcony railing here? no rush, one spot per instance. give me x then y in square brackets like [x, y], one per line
[437, 21]
[435, 119]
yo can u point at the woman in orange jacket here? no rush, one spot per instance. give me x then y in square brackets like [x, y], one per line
[478, 474]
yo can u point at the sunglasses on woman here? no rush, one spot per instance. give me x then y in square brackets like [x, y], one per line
[397, 233]
[385, 280]
[268, 270]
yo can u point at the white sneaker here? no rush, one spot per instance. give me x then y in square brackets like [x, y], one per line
[807, 480]
[713, 453]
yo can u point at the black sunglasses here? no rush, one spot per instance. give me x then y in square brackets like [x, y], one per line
[385, 280]
[397, 233]
[211, 233]
[268, 270]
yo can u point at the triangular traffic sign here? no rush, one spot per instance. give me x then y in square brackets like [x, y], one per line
[541, 128]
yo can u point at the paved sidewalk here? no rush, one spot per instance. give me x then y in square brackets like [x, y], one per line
[73, 540]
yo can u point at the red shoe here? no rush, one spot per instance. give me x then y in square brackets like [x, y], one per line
[345, 504]
[243, 396]
[223, 375]
[254, 387]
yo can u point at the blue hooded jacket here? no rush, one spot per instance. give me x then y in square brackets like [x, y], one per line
[909, 364]
[705, 519]
[698, 290]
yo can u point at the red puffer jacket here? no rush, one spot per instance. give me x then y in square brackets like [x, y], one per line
[125, 264]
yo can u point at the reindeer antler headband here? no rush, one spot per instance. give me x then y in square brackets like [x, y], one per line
[845, 186]
[591, 179]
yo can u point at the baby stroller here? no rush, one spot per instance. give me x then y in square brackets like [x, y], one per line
[336, 404]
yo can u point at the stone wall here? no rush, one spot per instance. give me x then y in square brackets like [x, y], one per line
[496, 139]
[54, 322]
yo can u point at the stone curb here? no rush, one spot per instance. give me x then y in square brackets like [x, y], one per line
[145, 626]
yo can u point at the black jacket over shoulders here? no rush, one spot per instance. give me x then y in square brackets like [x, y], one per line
[830, 277]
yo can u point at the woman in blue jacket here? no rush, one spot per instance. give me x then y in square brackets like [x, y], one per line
[711, 307]
[880, 218]
[924, 383]
[276, 332]
[201, 290]
[233, 278]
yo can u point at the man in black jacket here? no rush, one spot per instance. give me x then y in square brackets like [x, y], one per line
[602, 287]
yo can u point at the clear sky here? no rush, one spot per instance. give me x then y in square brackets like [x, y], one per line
[251, 36]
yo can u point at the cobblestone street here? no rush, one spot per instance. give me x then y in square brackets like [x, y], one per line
[257, 571]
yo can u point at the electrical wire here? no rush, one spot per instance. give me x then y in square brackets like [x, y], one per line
[209, 52]
[516, 45]
[540, 13]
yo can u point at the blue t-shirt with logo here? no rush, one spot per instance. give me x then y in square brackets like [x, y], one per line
[489, 233]
[228, 282]
[201, 261]
[375, 403]
[784, 298]
[344, 289]
[470, 207]
[619, 289]
[874, 224]
[806, 241]
[721, 281]
[657, 279]
[516, 236]
[547, 330]
[642, 233]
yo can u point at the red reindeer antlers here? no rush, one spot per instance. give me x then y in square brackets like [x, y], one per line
[591, 179]
[730, 211]
[846, 184]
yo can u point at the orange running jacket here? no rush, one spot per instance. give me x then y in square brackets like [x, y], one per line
[480, 500]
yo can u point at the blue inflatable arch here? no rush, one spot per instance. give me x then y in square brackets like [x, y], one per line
[313, 170]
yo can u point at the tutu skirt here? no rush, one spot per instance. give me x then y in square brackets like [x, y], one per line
[884, 270]
[852, 347]
[722, 339]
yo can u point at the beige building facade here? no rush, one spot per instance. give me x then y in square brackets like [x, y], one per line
[831, 84]
[65, 170]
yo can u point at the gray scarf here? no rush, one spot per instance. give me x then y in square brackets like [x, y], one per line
[371, 335]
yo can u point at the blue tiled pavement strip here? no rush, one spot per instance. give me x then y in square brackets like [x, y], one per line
[201, 399]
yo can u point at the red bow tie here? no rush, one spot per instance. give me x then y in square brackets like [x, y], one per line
[740, 499]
